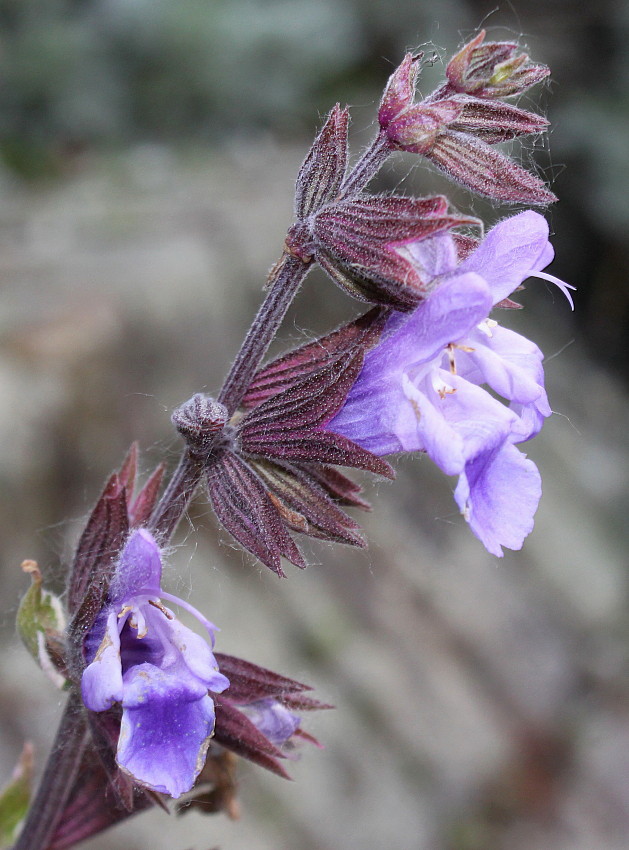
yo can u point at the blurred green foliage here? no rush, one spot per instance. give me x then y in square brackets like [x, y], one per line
[110, 71]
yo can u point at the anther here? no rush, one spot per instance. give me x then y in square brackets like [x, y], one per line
[157, 604]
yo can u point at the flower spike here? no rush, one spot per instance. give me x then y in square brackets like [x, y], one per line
[427, 369]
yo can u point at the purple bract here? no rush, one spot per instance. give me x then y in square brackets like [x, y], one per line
[421, 388]
[141, 656]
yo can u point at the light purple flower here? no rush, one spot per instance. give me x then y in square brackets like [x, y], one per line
[421, 388]
[141, 656]
[273, 719]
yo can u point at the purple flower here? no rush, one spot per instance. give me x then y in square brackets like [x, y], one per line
[421, 388]
[141, 656]
[273, 719]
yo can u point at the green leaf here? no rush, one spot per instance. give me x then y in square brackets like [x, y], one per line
[15, 797]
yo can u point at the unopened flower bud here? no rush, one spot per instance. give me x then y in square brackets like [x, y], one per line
[494, 69]
[199, 421]
[494, 121]
[40, 624]
[457, 124]
[400, 90]
[416, 129]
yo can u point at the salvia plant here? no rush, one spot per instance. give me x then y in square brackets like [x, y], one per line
[153, 711]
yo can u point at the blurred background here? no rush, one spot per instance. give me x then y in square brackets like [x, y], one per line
[148, 150]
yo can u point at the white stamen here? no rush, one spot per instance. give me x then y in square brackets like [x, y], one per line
[133, 615]
[156, 603]
[141, 626]
[487, 326]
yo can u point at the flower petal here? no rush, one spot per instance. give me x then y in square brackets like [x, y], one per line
[210, 627]
[429, 431]
[510, 252]
[498, 494]
[510, 363]
[273, 719]
[434, 256]
[449, 313]
[139, 570]
[370, 414]
[197, 656]
[459, 423]
[101, 684]
[163, 743]
[167, 721]
[376, 413]
[530, 419]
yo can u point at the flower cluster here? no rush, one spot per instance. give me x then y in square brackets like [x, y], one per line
[421, 389]
[458, 125]
[362, 392]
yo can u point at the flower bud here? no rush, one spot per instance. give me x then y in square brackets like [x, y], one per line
[199, 421]
[493, 121]
[487, 171]
[416, 129]
[400, 90]
[40, 624]
[494, 69]
[322, 172]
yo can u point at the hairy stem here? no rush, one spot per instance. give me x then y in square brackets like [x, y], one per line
[50, 801]
[176, 497]
[283, 285]
[57, 782]
[367, 166]
[285, 280]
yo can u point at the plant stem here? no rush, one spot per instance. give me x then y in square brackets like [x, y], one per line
[48, 806]
[57, 782]
[176, 497]
[367, 166]
[285, 280]
[284, 283]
